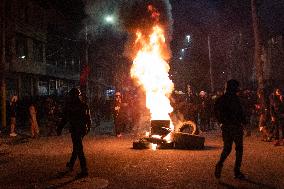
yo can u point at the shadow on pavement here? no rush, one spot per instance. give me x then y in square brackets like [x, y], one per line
[261, 185]
[212, 147]
[60, 174]
[226, 185]
[61, 184]
[257, 184]
[59, 180]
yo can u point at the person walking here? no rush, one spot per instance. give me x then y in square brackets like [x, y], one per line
[230, 115]
[277, 114]
[50, 109]
[33, 121]
[117, 115]
[13, 112]
[204, 111]
[77, 113]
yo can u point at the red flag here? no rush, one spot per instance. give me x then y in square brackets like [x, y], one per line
[84, 75]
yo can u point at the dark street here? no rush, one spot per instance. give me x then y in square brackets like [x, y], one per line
[37, 163]
[177, 69]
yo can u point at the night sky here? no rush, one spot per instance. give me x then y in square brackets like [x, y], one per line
[205, 12]
[205, 15]
[218, 18]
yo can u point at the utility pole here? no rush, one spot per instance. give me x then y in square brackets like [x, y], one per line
[2, 65]
[210, 65]
[257, 55]
[87, 65]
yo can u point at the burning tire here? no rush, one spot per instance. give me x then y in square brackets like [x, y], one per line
[188, 127]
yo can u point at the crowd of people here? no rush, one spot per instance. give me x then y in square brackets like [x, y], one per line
[33, 113]
[267, 118]
[125, 111]
[233, 111]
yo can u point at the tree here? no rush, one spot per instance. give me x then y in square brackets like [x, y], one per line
[2, 64]
[257, 55]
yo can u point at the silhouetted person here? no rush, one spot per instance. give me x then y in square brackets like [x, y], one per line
[230, 115]
[13, 115]
[33, 120]
[118, 115]
[277, 114]
[78, 115]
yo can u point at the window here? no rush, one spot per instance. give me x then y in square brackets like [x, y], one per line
[52, 87]
[37, 51]
[43, 87]
[62, 87]
[21, 46]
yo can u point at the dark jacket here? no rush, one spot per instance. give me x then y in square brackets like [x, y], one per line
[13, 109]
[77, 114]
[276, 106]
[229, 112]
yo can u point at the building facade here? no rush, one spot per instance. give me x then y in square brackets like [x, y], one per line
[40, 57]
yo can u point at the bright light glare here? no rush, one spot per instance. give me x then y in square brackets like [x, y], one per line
[109, 19]
[188, 38]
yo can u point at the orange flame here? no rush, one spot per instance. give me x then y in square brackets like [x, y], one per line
[150, 68]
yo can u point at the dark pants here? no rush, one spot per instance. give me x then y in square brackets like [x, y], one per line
[228, 138]
[279, 124]
[119, 124]
[78, 152]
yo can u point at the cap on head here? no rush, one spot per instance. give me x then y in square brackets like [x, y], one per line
[74, 92]
[232, 86]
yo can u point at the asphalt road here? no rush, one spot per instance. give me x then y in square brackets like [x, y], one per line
[37, 163]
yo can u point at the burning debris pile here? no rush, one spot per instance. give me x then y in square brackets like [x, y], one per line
[150, 70]
[162, 137]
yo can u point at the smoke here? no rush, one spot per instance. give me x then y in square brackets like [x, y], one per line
[127, 15]
[97, 11]
[136, 15]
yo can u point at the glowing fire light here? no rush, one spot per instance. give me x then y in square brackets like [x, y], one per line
[154, 146]
[151, 70]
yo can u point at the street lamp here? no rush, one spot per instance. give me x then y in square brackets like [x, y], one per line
[109, 19]
[188, 38]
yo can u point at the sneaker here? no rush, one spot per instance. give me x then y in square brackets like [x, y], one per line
[82, 174]
[239, 175]
[218, 170]
[13, 134]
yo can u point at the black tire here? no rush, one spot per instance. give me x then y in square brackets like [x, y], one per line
[188, 127]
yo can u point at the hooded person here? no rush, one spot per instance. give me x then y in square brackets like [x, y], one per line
[229, 113]
[77, 114]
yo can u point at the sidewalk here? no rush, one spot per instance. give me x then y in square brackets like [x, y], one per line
[24, 134]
